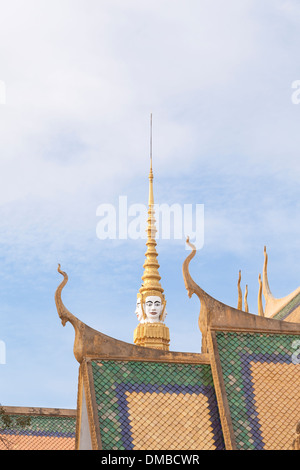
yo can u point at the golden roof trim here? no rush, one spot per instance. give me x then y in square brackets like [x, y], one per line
[215, 315]
[31, 411]
[90, 343]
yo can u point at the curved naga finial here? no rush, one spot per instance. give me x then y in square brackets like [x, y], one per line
[240, 299]
[208, 303]
[63, 312]
[260, 304]
[67, 316]
[266, 288]
[245, 299]
[214, 315]
[272, 304]
[190, 285]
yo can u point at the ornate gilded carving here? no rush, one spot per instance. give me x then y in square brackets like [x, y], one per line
[152, 335]
[151, 286]
[151, 303]
[223, 406]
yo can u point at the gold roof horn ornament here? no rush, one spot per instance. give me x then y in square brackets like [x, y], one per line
[214, 314]
[260, 304]
[266, 288]
[240, 296]
[245, 300]
[273, 305]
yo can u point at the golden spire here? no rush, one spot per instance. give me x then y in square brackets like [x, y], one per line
[153, 334]
[151, 277]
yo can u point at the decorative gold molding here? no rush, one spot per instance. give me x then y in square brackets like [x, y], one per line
[152, 335]
[223, 406]
[86, 381]
[79, 409]
[181, 358]
[95, 426]
[30, 411]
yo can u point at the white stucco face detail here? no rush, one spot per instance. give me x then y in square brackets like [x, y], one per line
[138, 311]
[153, 308]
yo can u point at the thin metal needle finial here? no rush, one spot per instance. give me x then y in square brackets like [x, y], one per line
[151, 139]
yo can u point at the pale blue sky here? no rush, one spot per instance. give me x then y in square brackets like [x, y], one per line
[81, 80]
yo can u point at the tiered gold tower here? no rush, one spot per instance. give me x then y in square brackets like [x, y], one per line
[152, 335]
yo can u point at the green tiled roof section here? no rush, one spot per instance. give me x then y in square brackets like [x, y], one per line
[108, 375]
[232, 347]
[59, 426]
[288, 309]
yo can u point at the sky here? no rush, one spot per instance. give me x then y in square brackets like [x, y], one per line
[80, 79]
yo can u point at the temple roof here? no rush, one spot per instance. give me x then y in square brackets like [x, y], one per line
[138, 403]
[241, 392]
[48, 429]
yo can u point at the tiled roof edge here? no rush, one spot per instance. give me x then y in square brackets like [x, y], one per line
[23, 410]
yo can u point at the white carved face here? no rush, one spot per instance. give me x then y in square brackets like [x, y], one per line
[153, 308]
[138, 311]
